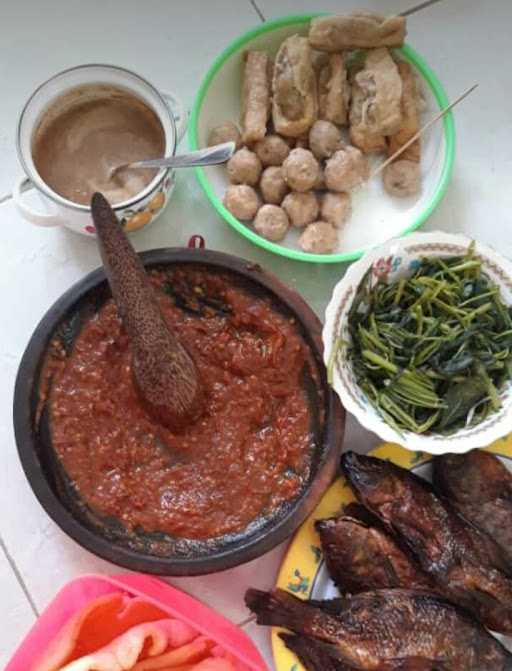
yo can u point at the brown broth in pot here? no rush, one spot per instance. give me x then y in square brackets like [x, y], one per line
[89, 131]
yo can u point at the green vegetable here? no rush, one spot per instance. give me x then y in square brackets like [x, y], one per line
[431, 351]
[460, 398]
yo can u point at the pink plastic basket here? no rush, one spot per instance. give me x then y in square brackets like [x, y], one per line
[81, 591]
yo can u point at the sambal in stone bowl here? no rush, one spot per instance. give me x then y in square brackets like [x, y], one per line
[226, 489]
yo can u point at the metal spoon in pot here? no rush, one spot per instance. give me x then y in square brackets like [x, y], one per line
[219, 153]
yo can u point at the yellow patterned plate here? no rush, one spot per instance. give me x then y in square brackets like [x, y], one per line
[303, 570]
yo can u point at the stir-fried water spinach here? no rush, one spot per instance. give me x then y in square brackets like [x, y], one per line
[432, 351]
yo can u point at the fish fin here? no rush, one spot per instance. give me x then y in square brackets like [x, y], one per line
[332, 652]
[310, 654]
[389, 570]
[300, 648]
[412, 664]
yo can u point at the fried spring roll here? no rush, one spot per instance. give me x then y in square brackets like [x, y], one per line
[360, 30]
[376, 102]
[255, 96]
[360, 135]
[410, 117]
[333, 91]
[294, 106]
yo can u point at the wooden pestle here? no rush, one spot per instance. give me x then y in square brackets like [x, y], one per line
[165, 374]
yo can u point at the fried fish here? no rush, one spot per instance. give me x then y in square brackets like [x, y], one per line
[362, 556]
[480, 487]
[387, 630]
[464, 564]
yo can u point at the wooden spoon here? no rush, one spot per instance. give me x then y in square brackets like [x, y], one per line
[165, 374]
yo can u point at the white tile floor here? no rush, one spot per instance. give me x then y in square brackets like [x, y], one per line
[172, 43]
[16, 609]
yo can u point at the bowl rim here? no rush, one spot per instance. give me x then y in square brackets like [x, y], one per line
[247, 548]
[432, 444]
[409, 53]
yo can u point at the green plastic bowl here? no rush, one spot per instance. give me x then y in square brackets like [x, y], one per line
[211, 107]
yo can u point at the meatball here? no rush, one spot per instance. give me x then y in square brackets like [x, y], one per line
[336, 208]
[301, 169]
[244, 167]
[402, 178]
[301, 208]
[272, 185]
[242, 201]
[346, 169]
[324, 139]
[272, 150]
[226, 132]
[319, 238]
[271, 222]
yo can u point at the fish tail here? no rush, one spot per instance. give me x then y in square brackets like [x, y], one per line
[277, 609]
[281, 609]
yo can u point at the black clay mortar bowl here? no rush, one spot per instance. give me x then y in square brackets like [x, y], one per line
[151, 552]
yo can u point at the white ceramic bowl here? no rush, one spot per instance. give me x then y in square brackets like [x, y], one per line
[376, 216]
[391, 261]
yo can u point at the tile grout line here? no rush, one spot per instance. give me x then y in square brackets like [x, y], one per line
[19, 577]
[257, 10]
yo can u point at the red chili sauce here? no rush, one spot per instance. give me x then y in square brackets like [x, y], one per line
[248, 453]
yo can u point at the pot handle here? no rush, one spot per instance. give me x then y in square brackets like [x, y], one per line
[196, 242]
[31, 215]
[179, 113]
